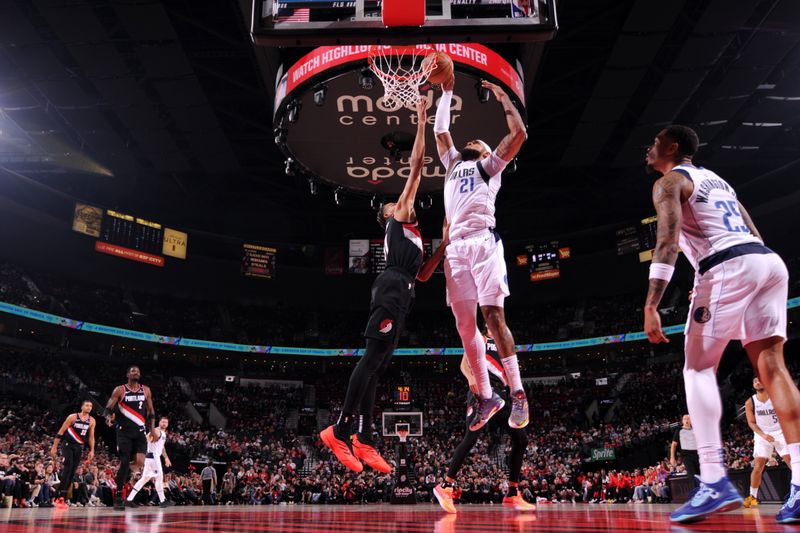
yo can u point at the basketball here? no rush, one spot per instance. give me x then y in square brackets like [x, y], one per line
[443, 69]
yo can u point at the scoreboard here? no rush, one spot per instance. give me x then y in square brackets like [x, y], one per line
[258, 261]
[640, 238]
[544, 261]
[132, 232]
[401, 397]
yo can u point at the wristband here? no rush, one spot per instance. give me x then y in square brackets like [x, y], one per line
[661, 271]
[59, 435]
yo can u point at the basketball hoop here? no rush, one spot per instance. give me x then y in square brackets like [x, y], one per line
[402, 72]
[403, 435]
[402, 429]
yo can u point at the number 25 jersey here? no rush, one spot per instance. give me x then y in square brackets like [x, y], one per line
[711, 218]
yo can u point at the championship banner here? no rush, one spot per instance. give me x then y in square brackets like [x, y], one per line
[175, 243]
[87, 219]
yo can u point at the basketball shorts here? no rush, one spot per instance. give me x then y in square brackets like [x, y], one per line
[392, 298]
[131, 441]
[475, 269]
[742, 298]
[152, 468]
[763, 448]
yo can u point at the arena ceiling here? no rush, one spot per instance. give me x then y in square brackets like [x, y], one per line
[163, 109]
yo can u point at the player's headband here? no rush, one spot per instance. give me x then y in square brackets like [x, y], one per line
[485, 146]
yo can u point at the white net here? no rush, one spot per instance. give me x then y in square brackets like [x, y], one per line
[402, 71]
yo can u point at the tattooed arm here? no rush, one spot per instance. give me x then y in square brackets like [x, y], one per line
[667, 201]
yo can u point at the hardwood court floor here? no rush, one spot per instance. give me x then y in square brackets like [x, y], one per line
[378, 518]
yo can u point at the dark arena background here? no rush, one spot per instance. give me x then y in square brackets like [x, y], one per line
[190, 187]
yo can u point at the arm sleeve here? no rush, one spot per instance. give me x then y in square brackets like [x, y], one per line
[494, 164]
[442, 123]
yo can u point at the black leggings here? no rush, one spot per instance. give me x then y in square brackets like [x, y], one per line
[519, 441]
[364, 380]
[72, 458]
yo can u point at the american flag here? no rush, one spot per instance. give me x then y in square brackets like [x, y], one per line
[301, 14]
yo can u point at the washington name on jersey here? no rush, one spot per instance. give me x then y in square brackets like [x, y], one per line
[712, 221]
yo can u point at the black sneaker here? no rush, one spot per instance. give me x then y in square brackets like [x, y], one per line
[119, 505]
[132, 505]
[165, 504]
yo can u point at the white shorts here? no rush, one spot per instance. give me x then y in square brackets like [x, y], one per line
[152, 468]
[475, 269]
[742, 298]
[762, 448]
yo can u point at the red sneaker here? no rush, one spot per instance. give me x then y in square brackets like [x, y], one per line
[518, 503]
[61, 504]
[370, 455]
[340, 449]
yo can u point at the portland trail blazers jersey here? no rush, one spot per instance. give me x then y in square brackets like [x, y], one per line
[79, 430]
[711, 218]
[494, 364]
[766, 419]
[132, 408]
[470, 190]
[402, 246]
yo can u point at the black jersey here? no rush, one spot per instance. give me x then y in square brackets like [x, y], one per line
[79, 430]
[494, 364]
[402, 246]
[132, 407]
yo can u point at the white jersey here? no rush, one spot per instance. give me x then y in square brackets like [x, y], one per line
[470, 190]
[766, 419]
[711, 218]
[157, 447]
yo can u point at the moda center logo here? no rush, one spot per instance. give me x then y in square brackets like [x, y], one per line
[363, 110]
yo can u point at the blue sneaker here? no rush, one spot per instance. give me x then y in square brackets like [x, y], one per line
[790, 512]
[706, 499]
[485, 410]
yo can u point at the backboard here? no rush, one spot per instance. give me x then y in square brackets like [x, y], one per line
[335, 22]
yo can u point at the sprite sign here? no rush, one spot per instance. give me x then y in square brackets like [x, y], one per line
[603, 454]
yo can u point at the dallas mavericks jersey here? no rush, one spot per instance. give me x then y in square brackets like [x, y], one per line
[158, 446]
[766, 418]
[711, 218]
[470, 190]
[494, 365]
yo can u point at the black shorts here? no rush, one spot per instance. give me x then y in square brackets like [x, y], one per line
[131, 441]
[392, 298]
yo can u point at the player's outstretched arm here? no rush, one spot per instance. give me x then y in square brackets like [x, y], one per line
[667, 201]
[510, 145]
[429, 266]
[441, 127]
[405, 204]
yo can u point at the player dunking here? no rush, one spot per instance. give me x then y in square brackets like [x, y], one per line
[475, 268]
[152, 463]
[75, 434]
[767, 437]
[519, 439]
[392, 296]
[740, 292]
[135, 413]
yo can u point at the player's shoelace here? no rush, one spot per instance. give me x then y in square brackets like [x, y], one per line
[700, 494]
